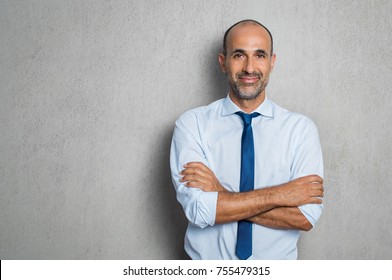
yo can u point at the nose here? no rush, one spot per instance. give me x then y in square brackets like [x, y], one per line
[248, 66]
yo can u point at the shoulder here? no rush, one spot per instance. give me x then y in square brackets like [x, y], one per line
[293, 122]
[202, 113]
[291, 117]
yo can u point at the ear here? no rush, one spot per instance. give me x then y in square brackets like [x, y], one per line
[222, 60]
[273, 58]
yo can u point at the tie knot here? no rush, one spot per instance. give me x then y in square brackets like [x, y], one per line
[247, 118]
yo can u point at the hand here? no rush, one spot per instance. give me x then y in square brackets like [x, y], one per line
[197, 175]
[303, 190]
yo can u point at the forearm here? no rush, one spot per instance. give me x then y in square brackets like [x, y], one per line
[231, 207]
[282, 218]
[274, 206]
[239, 206]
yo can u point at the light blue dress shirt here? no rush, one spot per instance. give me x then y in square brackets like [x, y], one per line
[287, 146]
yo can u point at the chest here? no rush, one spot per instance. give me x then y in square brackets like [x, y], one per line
[273, 147]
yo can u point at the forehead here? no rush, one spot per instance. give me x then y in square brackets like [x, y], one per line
[248, 36]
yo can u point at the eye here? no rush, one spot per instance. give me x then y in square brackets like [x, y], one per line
[261, 55]
[238, 55]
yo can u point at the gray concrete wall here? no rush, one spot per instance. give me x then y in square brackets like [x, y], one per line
[90, 90]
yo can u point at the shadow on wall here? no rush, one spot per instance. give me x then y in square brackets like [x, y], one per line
[217, 81]
[171, 218]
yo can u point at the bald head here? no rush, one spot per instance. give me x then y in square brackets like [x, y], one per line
[243, 23]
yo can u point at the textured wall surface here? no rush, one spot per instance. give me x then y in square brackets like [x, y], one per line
[90, 90]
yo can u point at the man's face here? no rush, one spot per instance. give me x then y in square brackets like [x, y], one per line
[248, 61]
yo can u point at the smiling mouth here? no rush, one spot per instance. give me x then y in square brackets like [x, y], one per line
[248, 80]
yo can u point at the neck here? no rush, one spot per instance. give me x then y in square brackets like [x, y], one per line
[247, 105]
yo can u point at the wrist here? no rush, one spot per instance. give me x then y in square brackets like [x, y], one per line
[272, 197]
[220, 188]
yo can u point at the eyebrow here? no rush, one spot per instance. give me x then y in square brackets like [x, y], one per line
[238, 51]
[258, 51]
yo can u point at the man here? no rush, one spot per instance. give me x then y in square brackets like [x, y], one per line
[246, 141]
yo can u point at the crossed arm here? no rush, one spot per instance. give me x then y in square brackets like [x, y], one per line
[275, 207]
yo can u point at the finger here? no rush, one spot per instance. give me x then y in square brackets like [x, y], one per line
[195, 179]
[198, 165]
[316, 200]
[311, 185]
[196, 185]
[194, 164]
[317, 193]
[193, 184]
[310, 190]
[316, 179]
[313, 178]
[195, 171]
[315, 186]
[191, 170]
[190, 177]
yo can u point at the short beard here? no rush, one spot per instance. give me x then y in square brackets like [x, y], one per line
[239, 89]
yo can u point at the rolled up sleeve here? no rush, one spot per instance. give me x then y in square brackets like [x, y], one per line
[308, 160]
[199, 206]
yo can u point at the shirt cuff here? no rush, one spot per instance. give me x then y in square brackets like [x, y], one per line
[204, 211]
[312, 212]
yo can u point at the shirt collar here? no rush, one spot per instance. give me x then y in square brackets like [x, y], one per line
[265, 109]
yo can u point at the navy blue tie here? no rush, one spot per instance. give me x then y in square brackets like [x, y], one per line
[244, 233]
